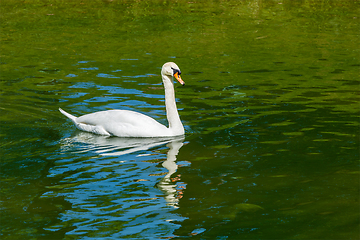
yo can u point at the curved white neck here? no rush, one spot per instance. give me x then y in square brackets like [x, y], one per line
[171, 109]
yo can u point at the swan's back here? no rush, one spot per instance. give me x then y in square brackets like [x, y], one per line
[122, 123]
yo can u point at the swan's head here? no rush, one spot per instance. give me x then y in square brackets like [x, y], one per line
[171, 69]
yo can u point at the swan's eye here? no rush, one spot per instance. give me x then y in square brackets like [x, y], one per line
[176, 71]
[176, 74]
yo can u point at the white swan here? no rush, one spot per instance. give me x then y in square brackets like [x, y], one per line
[124, 123]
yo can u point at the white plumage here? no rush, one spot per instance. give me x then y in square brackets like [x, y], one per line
[125, 123]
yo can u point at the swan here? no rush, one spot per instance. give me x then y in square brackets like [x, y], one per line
[125, 123]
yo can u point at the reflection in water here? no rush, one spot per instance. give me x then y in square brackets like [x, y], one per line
[110, 181]
[115, 146]
[166, 184]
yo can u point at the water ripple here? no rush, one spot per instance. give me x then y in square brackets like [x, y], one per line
[111, 180]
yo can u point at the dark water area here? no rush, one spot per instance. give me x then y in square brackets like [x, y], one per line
[270, 109]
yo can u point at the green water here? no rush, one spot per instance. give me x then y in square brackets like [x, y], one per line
[270, 108]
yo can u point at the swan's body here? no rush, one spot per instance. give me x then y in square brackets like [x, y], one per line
[124, 123]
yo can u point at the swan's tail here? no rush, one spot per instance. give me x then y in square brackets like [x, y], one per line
[71, 117]
[85, 127]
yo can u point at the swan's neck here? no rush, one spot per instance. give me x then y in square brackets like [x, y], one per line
[171, 109]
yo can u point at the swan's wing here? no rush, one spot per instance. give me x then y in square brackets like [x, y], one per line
[123, 123]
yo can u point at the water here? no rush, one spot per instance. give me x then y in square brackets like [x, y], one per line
[270, 108]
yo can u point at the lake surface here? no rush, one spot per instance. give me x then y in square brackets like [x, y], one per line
[270, 108]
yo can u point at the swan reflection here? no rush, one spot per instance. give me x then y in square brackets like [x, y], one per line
[166, 185]
[116, 147]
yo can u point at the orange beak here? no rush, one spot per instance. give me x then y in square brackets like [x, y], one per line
[177, 76]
